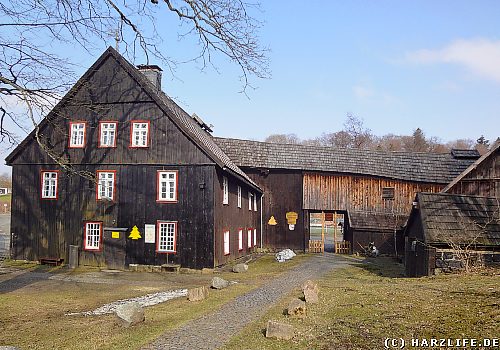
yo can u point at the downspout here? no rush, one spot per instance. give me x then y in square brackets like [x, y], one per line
[261, 219]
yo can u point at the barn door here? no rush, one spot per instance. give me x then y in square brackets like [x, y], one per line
[114, 249]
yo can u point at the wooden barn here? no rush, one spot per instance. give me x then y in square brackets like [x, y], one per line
[447, 231]
[340, 195]
[124, 174]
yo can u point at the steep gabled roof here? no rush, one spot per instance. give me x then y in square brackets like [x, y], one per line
[495, 148]
[460, 219]
[421, 167]
[178, 116]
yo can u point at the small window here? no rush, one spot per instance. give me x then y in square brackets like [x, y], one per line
[107, 134]
[388, 193]
[106, 184]
[249, 238]
[167, 186]
[139, 134]
[254, 237]
[49, 184]
[240, 239]
[225, 190]
[226, 243]
[166, 236]
[239, 196]
[249, 200]
[76, 134]
[254, 202]
[93, 235]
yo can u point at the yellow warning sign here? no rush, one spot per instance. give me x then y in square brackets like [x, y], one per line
[135, 234]
[272, 221]
[291, 217]
[115, 234]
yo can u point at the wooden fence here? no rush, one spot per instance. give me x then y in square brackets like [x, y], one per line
[316, 246]
[343, 247]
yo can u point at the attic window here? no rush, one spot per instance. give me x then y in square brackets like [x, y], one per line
[388, 193]
[139, 134]
[77, 134]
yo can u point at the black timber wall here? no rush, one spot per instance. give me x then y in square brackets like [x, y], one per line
[283, 193]
[45, 228]
[230, 217]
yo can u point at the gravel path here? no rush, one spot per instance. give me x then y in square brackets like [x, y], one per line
[214, 330]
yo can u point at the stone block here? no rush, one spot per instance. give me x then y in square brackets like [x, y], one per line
[311, 292]
[239, 268]
[198, 294]
[296, 307]
[133, 267]
[279, 330]
[130, 314]
[219, 283]
[156, 268]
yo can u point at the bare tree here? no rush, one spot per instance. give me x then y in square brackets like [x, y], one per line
[283, 138]
[34, 75]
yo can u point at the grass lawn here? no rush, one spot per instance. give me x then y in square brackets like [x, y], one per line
[32, 317]
[361, 306]
[5, 198]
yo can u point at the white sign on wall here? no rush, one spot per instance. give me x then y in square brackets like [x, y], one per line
[149, 233]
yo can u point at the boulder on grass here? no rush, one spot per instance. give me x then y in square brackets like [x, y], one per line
[311, 291]
[238, 268]
[198, 294]
[219, 283]
[297, 307]
[279, 330]
[130, 314]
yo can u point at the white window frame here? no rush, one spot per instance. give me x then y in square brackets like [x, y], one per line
[227, 250]
[225, 190]
[249, 238]
[166, 186]
[254, 237]
[254, 202]
[240, 239]
[106, 181]
[49, 184]
[77, 134]
[93, 235]
[166, 232]
[139, 134]
[239, 196]
[249, 200]
[107, 131]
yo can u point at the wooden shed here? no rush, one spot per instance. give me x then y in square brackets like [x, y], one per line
[445, 229]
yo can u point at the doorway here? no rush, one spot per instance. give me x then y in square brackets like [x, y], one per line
[326, 230]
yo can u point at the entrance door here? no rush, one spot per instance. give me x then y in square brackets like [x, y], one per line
[327, 228]
[114, 249]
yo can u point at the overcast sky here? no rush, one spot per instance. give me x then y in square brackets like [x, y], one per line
[398, 65]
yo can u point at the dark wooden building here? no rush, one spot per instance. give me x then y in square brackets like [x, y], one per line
[125, 174]
[373, 191]
[444, 229]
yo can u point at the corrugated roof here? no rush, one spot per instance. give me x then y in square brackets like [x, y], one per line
[421, 167]
[460, 219]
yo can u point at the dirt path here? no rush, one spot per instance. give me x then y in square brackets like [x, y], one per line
[214, 330]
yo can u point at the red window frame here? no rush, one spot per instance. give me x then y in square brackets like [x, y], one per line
[240, 239]
[97, 185]
[99, 249]
[158, 199]
[158, 222]
[57, 185]
[99, 145]
[228, 242]
[132, 122]
[249, 241]
[71, 132]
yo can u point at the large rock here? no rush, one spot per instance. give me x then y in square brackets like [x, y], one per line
[198, 294]
[297, 307]
[219, 283]
[311, 291]
[279, 330]
[238, 268]
[130, 314]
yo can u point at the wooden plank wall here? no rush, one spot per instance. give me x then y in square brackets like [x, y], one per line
[360, 193]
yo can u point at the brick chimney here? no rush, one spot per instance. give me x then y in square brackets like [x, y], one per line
[152, 73]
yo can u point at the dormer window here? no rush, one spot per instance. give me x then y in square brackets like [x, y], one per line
[107, 134]
[139, 134]
[77, 134]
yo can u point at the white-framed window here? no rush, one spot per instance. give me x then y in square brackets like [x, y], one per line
[167, 186]
[139, 134]
[93, 235]
[249, 238]
[249, 200]
[106, 184]
[254, 202]
[77, 134]
[239, 196]
[226, 243]
[49, 184]
[225, 190]
[167, 236]
[240, 239]
[107, 134]
[254, 237]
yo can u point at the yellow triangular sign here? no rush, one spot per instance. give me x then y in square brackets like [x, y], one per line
[135, 234]
[272, 221]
